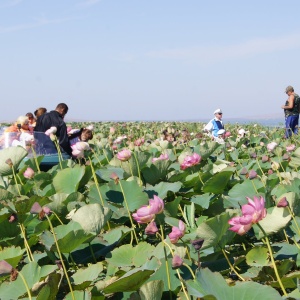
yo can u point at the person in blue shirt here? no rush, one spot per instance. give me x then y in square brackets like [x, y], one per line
[215, 124]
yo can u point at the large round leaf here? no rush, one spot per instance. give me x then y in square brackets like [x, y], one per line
[16, 154]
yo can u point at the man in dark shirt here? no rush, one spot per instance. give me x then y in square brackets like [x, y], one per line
[56, 118]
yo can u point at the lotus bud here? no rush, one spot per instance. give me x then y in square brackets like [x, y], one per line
[275, 165]
[264, 158]
[282, 202]
[244, 171]
[177, 261]
[197, 244]
[252, 174]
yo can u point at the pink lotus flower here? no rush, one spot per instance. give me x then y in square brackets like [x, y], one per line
[151, 228]
[252, 174]
[112, 130]
[51, 130]
[79, 148]
[161, 157]
[5, 268]
[139, 142]
[124, 155]
[227, 134]
[271, 146]
[282, 202]
[29, 173]
[253, 212]
[147, 213]
[41, 211]
[290, 148]
[255, 208]
[190, 160]
[241, 225]
[119, 139]
[265, 158]
[177, 261]
[177, 232]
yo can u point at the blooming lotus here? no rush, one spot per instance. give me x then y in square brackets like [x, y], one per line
[29, 173]
[161, 157]
[177, 232]
[241, 225]
[147, 213]
[253, 212]
[151, 228]
[255, 208]
[51, 130]
[190, 160]
[271, 146]
[139, 142]
[290, 148]
[124, 155]
[79, 148]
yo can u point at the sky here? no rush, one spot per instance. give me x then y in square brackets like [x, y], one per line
[142, 60]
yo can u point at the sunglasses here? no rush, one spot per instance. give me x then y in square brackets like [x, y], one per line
[220, 113]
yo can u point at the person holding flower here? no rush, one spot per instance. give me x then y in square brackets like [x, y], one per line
[55, 118]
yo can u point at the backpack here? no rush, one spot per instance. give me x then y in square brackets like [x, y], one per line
[297, 103]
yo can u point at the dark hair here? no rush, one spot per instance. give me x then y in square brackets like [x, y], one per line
[62, 106]
[29, 115]
[40, 111]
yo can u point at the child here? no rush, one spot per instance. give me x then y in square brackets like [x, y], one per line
[80, 135]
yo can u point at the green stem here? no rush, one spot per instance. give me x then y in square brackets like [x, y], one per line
[35, 159]
[129, 214]
[231, 266]
[26, 285]
[58, 152]
[138, 166]
[272, 259]
[15, 177]
[60, 257]
[28, 250]
[166, 260]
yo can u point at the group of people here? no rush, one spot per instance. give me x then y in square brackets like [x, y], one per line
[215, 126]
[43, 120]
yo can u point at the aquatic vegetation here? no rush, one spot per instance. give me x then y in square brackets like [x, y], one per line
[153, 210]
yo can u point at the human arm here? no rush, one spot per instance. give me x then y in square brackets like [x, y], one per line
[208, 127]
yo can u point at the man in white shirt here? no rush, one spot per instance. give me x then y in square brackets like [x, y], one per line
[215, 124]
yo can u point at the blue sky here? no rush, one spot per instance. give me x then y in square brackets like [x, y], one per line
[148, 60]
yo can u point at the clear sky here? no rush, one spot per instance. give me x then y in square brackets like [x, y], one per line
[146, 60]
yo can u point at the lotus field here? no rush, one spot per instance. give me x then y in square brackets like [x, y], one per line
[154, 210]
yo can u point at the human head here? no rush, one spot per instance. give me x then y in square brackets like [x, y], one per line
[22, 122]
[40, 111]
[289, 89]
[62, 108]
[86, 135]
[218, 113]
[30, 117]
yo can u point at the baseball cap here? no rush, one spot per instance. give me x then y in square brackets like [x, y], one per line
[218, 111]
[289, 89]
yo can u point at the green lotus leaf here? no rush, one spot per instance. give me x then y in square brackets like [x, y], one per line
[67, 180]
[16, 154]
[12, 255]
[215, 231]
[131, 281]
[276, 219]
[152, 290]
[217, 183]
[156, 172]
[258, 256]
[91, 217]
[105, 174]
[83, 277]
[163, 188]
[33, 274]
[214, 285]
[133, 193]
